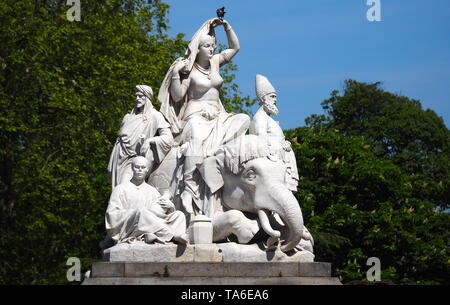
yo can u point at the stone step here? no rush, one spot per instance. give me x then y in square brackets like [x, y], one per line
[208, 269]
[213, 281]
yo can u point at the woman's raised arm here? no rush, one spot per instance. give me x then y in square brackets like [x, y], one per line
[233, 43]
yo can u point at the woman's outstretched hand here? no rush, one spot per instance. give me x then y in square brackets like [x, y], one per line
[216, 22]
[225, 24]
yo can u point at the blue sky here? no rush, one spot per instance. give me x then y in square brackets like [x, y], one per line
[307, 48]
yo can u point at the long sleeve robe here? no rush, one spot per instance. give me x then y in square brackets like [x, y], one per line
[263, 125]
[148, 124]
[134, 211]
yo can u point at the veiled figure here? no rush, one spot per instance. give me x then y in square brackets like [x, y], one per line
[189, 98]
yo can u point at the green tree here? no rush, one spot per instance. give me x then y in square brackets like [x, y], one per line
[399, 130]
[64, 88]
[358, 205]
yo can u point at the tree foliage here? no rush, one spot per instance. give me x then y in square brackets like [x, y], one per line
[64, 88]
[360, 200]
[398, 129]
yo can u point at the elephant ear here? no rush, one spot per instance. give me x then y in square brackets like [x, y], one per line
[211, 173]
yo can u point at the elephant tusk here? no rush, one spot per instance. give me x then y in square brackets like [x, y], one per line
[266, 225]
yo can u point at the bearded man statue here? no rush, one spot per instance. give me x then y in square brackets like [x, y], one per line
[263, 125]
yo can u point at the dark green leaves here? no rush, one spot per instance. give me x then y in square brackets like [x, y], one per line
[64, 88]
[373, 174]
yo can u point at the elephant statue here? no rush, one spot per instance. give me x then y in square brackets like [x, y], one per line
[252, 178]
[248, 178]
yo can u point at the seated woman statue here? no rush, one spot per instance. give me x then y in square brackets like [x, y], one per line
[143, 132]
[189, 98]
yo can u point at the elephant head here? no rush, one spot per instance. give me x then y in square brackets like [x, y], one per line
[253, 180]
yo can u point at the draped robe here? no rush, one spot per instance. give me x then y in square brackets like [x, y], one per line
[145, 124]
[204, 129]
[134, 211]
[264, 126]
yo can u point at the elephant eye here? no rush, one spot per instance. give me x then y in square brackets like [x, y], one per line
[250, 174]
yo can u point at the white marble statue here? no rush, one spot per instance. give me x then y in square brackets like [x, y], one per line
[199, 156]
[137, 212]
[266, 127]
[143, 131]
[189, 98]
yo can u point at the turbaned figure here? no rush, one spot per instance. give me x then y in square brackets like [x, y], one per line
[143, 132]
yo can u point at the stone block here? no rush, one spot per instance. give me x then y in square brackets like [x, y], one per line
[284, 269]
[227, 281]
[108, 270]
[142, 252]
[211, 273]
[207, 253]
[200, 230]
[198, 269]
[225, 252]
[233, 252]
[233, 269]
[147, 269]
[317, 269]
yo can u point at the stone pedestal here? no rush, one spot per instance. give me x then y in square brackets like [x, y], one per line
[200, 230]
[207, 264]
[206, 273]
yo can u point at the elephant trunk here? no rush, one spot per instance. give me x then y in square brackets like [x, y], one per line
[288, 209]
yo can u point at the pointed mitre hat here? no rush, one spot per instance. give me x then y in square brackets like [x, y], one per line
[263, 86]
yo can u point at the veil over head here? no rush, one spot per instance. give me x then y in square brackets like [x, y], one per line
[173, 111]
[194, 44]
